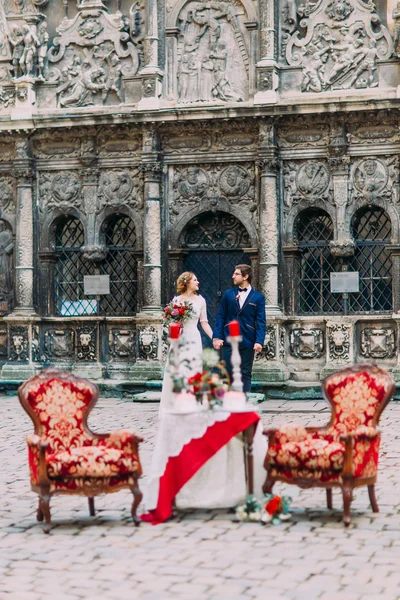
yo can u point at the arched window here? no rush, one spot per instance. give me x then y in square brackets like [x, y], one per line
[71, 269]
[372, 230]
[121, 265]
[313, 232]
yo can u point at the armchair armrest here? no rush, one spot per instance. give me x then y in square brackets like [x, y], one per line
[39, 447]
[360, 434]
[362, 431]
[286, 433]
[123, 440]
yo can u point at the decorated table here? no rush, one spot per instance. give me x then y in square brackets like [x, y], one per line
[185, 442]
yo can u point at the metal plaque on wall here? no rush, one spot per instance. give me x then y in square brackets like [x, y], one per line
[344, 282]
[94, 285]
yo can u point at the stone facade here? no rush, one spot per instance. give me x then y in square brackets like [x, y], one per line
[141, 138]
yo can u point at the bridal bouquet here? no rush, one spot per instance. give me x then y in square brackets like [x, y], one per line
[178, 312]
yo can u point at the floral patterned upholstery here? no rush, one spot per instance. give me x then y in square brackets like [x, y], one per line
[347, 449]
[64, 455]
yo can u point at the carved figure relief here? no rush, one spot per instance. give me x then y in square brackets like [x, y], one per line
[86, 344]
[6, 268]
[375, 178]
[121, 343]
[56, 190]
[339, 342]
[7, 203]
[121, 187]
[378, 343]
[59, 343]
[90, 57]
[212, 53]
[212, 186]
[148, 343]
[19, 343]
[307, 343]
[306, 181]
[339, 50]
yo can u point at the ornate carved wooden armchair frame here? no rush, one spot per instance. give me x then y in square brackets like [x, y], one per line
[353, 445]
[59, 405]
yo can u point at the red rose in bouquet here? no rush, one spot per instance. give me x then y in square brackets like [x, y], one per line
[274, 505]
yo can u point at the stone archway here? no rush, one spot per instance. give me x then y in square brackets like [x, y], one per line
[214, 243]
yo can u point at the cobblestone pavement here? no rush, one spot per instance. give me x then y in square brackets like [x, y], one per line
[200, 555]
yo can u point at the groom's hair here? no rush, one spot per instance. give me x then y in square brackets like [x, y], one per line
[245, 270]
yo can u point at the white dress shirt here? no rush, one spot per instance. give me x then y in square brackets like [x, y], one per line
[243, 296]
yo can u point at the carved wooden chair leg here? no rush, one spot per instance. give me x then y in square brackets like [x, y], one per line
[45, 507]
[268, 485]
[372, 498]
[137, 498]
[329, 502]
[92, 510]
[347, 491]
[39, 514]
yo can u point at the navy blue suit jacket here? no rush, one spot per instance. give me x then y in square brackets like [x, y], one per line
[251, 317]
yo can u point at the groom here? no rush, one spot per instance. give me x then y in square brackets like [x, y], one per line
[244, 304]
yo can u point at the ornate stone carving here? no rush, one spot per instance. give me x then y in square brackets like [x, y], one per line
[56, 146]
[7, 200]
[7, 97]
[149, 87]
[306, 181]
[376, 178]
[35, 345]
[91, 55]
[339, 50]
[213, 62]
[121, 187]
[369, 131]
[396, 33]
[339, 342]
[265, 80]
[94, 253]
[288, 24]
[59, 344]
[3, 344]
[63, 188]
[307, 343]
[342, 248]
[148, 343]
[210, 136]
[378, 343]
[121, 343]
[118, 141]
[269, 349]
[213, 185]
[86, 343]
[19, 350]
[6, 268]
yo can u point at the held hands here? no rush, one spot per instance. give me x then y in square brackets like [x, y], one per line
[257, 348]
[217, 343]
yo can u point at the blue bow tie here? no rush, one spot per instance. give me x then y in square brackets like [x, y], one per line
[242, 290]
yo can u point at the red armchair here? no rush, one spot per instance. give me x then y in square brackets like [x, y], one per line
[345, 452]
[65, 457]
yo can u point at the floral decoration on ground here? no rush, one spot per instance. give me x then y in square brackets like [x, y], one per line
[250, 511]
[276, 509]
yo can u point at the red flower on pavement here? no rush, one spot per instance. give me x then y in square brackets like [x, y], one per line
[273, 505]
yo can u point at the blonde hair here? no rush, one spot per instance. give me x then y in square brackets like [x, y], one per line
[182, 282]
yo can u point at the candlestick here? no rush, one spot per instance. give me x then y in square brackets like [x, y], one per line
[234, 328]
[237, 384]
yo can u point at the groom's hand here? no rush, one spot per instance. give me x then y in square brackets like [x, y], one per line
[217, 343]
[257, 347]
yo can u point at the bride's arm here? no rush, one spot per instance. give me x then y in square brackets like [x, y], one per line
[203, 320]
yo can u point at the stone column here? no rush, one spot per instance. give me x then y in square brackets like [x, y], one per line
[267, 67]
[340, 177]
[269, 234]
[24, 240]
[152, 237]
[151, 73]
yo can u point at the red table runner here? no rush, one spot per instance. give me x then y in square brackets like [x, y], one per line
[180, 469]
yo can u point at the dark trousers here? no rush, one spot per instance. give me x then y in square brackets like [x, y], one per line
[247, 356]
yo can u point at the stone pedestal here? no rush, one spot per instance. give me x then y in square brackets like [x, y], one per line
[25, 99]
[20, 365]
[150, 351]
[269, 368]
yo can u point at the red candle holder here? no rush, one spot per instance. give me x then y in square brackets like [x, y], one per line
[174, 331]
[234, 329]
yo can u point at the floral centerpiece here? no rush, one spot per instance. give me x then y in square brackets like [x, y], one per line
[211, 383]
[178, 311]
[276, 509]
[250, 511]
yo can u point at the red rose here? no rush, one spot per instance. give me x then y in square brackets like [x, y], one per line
[273, 505]
[195, 378]
[181, 311]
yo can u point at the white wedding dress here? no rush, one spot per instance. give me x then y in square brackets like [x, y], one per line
[220, 483]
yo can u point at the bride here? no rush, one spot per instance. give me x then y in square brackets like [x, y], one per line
[220, 483]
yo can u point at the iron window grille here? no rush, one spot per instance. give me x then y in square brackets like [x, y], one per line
[371, 230]
[70, 271]
[121, 265]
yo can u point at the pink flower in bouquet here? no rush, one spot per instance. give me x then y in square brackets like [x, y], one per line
[175, 312]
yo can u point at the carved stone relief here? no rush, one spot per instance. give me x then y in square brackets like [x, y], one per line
[213, 59]
[19, 350]
[339, 342]
[209, 136]
[148, 343]
[302, 133]
[55, 146]
[371, 132]
[88, 60]
[59, 189]
[86, 343]
[339, 48]
[6, 268]
[194, 184]
[309, 181]
[118, 141]
[375, 178]
[3, 344]
[59, 344]
[307, 343]
[29, 48]
[7, 198]
[121, 344]
[269, 348]
[378, 343]
[117, 188]
[35, 345]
